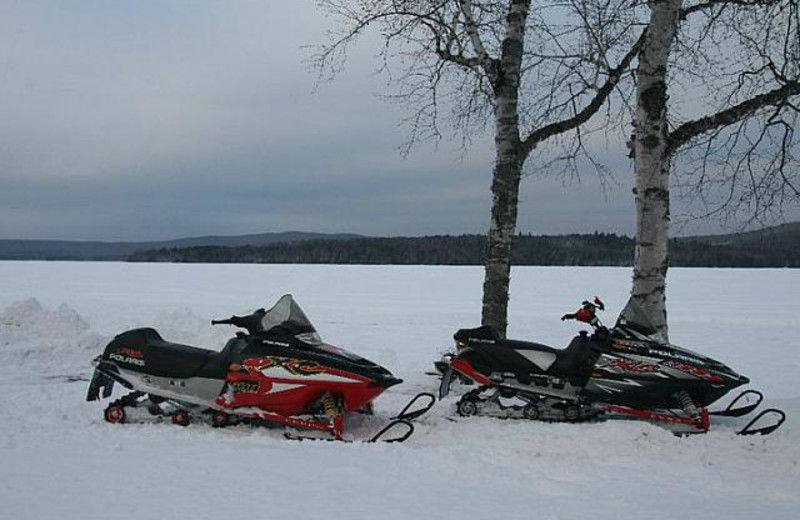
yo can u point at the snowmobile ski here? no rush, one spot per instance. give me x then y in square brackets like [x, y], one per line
[406, 430]
[408, 414]
[752, 428]
[750, 399]
[399, 429]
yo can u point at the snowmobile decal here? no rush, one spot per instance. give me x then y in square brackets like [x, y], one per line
[626, 345]
[294, 366]
[693, 370]
[675, 355]
[127, 359]
[128, 355]
[130, 352]
[275, 343]
[607, 385]
[245, 387]
[281, 387]
[625, 365]
[543, 360]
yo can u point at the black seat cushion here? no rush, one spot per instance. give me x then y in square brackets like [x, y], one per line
[162, 358]
[576, 362]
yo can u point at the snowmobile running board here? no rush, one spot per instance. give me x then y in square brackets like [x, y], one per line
[701, 422]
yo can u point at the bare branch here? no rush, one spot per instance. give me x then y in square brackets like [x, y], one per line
[580, 117]
[687, 131]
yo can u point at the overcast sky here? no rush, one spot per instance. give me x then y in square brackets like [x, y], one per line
[159, 119]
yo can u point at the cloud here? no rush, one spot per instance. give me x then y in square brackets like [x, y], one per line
[161, 119]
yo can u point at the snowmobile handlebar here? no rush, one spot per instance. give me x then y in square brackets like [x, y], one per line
[248, 322]
[229, 321]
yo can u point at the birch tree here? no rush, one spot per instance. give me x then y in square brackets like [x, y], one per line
[652, 162]
[746, 53]
[527, 70]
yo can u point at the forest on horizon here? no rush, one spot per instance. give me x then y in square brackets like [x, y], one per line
[772, 247]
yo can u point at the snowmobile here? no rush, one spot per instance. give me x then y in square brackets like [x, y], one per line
[279, 371]
[627, 372]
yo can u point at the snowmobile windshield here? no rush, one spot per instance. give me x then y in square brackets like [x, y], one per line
[287, 318]
[634, 318]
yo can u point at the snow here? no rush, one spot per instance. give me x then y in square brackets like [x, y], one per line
[61, 460]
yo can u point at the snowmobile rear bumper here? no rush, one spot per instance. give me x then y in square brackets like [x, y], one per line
[105, 374]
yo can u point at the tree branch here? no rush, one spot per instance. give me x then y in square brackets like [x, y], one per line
[710, 4]
[488, 64]
[732, 115]
[579, 118]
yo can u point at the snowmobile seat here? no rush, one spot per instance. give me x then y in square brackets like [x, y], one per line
[528, 345]
[576, 362]
[217, 363]
[161, 358]
[166, 359]
[488, 335]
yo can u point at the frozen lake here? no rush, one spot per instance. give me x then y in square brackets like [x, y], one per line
[60, 460]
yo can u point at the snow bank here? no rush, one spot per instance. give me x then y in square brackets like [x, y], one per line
[41, 340]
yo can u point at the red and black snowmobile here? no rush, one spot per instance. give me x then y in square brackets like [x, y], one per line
[280, 371]
[625, 372]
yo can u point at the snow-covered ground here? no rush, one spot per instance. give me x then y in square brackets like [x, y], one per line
[60, 460]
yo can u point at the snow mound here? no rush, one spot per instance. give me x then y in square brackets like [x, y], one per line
[60, 341]
[46, 341]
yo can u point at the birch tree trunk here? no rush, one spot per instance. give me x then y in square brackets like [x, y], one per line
[509, 159]
[652, 163]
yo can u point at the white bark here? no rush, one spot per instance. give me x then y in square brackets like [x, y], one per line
[507, 171]
[652, 163]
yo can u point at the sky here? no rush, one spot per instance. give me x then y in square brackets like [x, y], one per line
[162, 119]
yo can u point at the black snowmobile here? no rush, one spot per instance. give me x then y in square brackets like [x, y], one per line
[625, 372]
[280, 372]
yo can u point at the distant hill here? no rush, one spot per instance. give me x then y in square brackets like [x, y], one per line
[773, 247]
[94, 250]
[777, 246]
[784, 233]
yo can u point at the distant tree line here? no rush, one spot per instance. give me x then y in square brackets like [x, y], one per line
[598, 249]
